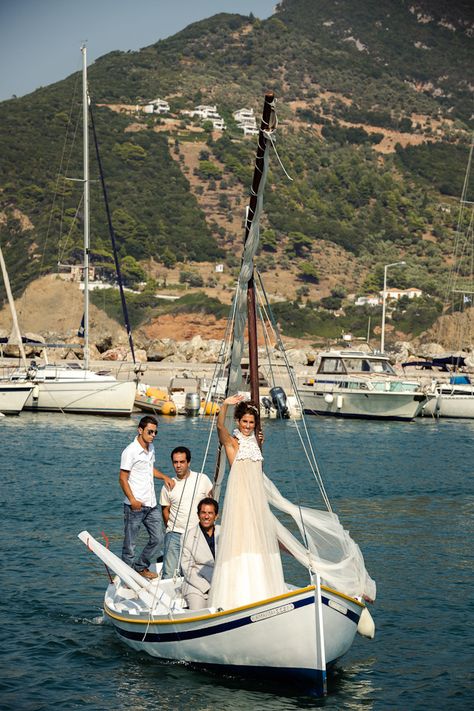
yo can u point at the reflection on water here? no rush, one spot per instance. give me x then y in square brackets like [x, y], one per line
[404, 490]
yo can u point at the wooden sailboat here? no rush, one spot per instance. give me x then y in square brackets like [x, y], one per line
[296, 634]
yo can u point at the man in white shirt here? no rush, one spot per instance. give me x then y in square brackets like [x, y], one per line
[137, 469]
[179, 506]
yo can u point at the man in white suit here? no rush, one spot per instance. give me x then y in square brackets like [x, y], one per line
[198, 556]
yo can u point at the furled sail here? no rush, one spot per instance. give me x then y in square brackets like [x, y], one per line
[251, 241]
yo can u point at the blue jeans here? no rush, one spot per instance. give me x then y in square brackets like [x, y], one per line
[171, 552]
[150, 517]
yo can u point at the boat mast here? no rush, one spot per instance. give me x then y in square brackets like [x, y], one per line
[85, 127]
[11, 302]
[251, 303]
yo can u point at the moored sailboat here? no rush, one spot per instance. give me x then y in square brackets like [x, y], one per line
[13, 396]
[450, 375]
[73, 388]
[297, 633]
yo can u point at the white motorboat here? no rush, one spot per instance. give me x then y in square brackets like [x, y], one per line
[355, 384]
[297, 633]
[13, 396]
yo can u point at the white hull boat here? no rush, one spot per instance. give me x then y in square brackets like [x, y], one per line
[451, 401]
[274, 637]
[355, 384]
[13, 397]
[71, 388]
[452, 389]
[74, 390]
[292, 632]
[329, 399]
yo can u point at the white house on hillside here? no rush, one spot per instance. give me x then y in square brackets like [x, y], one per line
[207, 113]
[396, 294]
[157, 106]
[218, 124]
[246, 121]
[244, 117]
[367, 301]
[203, 112]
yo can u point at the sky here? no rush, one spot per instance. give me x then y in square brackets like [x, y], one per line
[40, 39]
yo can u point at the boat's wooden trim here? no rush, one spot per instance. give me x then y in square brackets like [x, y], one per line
[226, 613]
[340, 594]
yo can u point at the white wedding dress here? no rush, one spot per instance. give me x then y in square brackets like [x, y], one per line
[248, 565]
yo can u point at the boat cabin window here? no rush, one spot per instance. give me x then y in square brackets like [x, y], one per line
[382, 366]
[366, 365]
[356, 365]
[331, 365]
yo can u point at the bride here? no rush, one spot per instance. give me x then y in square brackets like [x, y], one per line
[248, 564]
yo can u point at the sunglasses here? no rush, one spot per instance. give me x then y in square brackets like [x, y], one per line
[152, 432]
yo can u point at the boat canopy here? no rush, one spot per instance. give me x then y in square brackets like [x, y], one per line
[444, 363]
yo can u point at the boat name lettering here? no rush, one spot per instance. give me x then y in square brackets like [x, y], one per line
[273, 612]
[338, 607]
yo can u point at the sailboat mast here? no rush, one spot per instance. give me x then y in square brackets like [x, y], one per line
[11, 302]
[85, 125]
[251, 302]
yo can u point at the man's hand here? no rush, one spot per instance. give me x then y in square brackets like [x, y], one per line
[168, 482]
[136, 505]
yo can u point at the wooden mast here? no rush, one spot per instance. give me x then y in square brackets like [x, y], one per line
[251, 302]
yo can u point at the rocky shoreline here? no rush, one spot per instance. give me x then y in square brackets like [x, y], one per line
[172, 355]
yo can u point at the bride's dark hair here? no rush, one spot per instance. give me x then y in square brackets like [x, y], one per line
[248, 408]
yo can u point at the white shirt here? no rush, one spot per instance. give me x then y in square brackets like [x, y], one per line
[140, 462]
[183, 499]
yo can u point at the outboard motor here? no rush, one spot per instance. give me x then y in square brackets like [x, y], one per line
[279, 400]
[267, 404]
[192, 404]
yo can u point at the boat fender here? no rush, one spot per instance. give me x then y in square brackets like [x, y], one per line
[366, 626]
[35, 392]
[168, 408]
[329, 398]
[339, 401]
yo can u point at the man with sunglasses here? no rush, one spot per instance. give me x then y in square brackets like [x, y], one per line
[137, 469]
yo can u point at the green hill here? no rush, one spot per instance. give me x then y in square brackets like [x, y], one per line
[376, 115]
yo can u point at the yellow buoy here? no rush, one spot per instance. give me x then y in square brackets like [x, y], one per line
[210, 408]
[157, 393]
[168, 408]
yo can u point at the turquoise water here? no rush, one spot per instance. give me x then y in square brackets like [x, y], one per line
[405, 491]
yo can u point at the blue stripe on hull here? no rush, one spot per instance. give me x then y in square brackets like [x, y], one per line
[157, 637]
[79, 411]
[398, 418]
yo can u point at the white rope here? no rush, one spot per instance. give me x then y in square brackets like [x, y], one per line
[269, 135]
[312, 461]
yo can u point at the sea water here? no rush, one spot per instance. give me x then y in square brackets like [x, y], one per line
[404, 490]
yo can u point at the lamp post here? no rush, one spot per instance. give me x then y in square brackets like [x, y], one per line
[384, 300]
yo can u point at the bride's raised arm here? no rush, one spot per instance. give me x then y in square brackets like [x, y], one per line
[225, 438]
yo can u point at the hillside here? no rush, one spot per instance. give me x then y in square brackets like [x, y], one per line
[375, 120]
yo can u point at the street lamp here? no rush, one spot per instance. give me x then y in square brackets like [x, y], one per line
[384, 299]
